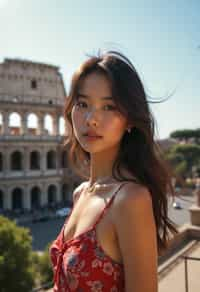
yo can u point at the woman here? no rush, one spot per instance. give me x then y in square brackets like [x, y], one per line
[118, 224]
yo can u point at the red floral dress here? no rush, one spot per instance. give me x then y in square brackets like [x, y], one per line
[80, 264]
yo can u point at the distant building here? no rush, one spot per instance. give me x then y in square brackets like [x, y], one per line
[165, 144]
[33, 163]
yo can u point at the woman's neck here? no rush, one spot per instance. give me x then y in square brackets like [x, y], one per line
[101, 167]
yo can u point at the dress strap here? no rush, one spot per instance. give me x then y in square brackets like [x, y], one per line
[108, 205]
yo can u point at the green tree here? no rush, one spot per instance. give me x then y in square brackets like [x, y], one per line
[44, 267]
[186, 134]
[190, 152]
[183, 158]
[16, 270]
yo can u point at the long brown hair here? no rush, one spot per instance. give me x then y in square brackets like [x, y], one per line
[139, 153]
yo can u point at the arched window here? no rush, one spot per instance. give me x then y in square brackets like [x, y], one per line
[51, 159]
[65, 194]
[64, 159]
[35, 160]
[17, 203]
[15, 124]
[61, 126]
[32, 124]
[52, 192]
[1, 123]
[1, 162]
[35, 198]
[16, 160]
[48, 124]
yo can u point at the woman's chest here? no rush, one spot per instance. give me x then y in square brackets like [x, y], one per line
[84, 217]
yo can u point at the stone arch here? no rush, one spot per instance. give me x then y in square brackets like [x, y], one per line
[35, 197]
[61, 126]
[51, 159]
[1, 162]
[17, 199]
[16, 160]
[1, 123]
[15, 124]
[34, 160]
[1, 199]
[52, 194]
[48, 124]
[64, 159]
[65, 193]
[32, 123]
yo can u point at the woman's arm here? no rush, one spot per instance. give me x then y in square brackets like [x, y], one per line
[136, 233]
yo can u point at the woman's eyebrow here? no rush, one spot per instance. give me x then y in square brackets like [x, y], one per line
[88, 97]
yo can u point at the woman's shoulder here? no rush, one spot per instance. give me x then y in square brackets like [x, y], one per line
[131, 196]
[133, 208]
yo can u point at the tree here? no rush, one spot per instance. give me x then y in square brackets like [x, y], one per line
[190, 152]
[45, 267]
[16, 271]
[184, 158]
[187, 134]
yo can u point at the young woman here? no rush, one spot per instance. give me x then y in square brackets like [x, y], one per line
[118, 225]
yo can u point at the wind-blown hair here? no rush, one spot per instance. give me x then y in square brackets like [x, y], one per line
[139, 153]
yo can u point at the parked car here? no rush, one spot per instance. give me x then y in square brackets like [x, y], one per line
[177, 205]
[63, 212]
[40, 218]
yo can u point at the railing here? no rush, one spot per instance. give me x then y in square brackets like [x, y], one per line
[186, 258]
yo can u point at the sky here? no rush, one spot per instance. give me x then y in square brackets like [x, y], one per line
[161, 38]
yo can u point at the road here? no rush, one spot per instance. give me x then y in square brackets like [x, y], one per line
[181, 216]
[45, 232]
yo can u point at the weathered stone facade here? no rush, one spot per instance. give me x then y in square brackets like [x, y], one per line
[33, 163]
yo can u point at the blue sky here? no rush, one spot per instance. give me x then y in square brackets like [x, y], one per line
[160, 37]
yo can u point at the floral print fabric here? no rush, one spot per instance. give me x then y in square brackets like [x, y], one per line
[80, 264]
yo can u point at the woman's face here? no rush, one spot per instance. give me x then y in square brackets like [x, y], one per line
[97, 124]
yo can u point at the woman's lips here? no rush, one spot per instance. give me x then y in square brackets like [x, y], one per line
[92, 138]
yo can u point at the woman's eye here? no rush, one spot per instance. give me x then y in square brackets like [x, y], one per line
[109, 107]
[81, 104]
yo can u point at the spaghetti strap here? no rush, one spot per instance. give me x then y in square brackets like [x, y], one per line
[107, 205]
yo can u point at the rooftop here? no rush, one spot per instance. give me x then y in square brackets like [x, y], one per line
[28, 62]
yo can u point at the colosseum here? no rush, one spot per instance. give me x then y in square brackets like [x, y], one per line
[33, 162]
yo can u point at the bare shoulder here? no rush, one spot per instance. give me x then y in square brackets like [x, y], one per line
[132, 196]
[133, 205]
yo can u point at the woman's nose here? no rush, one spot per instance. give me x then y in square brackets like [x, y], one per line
[92, 117]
